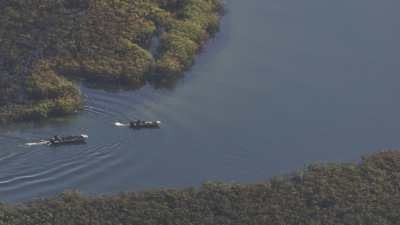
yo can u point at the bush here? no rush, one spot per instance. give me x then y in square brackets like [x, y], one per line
[99, 40]
[45, 83]
[348, 193]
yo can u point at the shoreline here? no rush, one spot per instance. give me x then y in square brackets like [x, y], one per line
[331, 193]
[124, 56]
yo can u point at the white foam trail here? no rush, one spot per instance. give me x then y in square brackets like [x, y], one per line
[37, 143]
[118, 124]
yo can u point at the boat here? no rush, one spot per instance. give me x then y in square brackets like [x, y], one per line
[138, 124]
[56, 140]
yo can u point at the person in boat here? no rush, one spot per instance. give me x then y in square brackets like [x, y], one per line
[135, 123]
[132, 123]
[55, 140]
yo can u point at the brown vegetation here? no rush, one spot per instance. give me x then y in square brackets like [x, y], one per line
[99, 40]
[349, 193]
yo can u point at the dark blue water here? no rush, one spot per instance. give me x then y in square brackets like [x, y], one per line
[284, 84]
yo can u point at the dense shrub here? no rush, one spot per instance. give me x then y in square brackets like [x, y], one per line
[129, 65]
[349, 193]
[43, 83]
[177, 54]
[100, 40]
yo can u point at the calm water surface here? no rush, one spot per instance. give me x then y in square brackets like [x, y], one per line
[285, 83]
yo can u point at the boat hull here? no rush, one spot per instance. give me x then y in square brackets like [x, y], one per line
[144, 124]
[69, 140]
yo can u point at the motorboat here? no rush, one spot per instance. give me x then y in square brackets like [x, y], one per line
[56, 140]
[138, 124]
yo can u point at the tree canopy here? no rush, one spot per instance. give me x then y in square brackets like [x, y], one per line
[44, 41]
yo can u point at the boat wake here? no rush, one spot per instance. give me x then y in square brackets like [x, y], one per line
[39, 143]
[118, 124]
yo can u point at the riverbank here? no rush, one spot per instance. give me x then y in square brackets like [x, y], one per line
[102, 41]
[346, 193]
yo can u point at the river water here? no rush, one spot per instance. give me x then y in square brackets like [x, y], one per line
[285, 83]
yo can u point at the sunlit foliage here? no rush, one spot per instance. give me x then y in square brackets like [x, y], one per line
[100, 40]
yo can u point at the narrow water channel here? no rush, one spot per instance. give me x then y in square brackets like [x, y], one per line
[285, 83]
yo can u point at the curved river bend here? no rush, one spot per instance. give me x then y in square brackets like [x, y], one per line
[285, 83]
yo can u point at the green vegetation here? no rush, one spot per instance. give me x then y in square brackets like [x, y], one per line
[364, 193]
[111, 41]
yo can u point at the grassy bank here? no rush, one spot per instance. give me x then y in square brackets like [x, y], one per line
[123, 42]
[365, 193]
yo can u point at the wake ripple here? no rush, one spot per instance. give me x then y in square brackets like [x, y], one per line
[59, 170]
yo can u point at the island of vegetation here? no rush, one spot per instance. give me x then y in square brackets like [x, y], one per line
[44, 42]
[366, 192]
